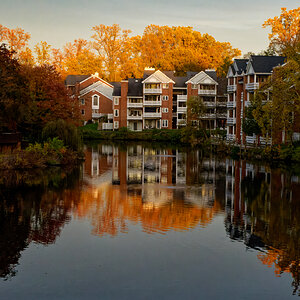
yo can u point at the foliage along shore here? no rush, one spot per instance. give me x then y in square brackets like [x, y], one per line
[192, 137]
[41, 155]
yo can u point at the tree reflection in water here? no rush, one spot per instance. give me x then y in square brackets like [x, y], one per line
[160, 190]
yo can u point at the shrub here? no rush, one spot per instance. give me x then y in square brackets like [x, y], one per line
[66, 132]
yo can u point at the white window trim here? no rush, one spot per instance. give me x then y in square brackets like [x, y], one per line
[164, 123]
[165, 86]
[82, 101]
[116, 100]
[165, 97]
[165, 110]
[116, 124]
[116, 112]
[95, 106]
[194, 86]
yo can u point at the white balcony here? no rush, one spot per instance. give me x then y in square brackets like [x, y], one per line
[250, 140]
[222, 115]
[132, 117]
[151, 115]
[207, 92]
[107, 126]
[181, 109]
[96, 115]
[209, 104]
[152, 103]
[152, 91]
[181, 122]
[231, 88]
[221, 104]
[110, 116]
[208, 116]
[231, 121]
[181, 97]
[230, 137]
[231, 104]
[252, 86]
[134, 105]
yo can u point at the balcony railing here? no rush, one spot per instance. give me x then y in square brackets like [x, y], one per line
[230, 137]
[181, 109]
[152, 103]
[209, 104]
[107, 126]
[152, 91]
[181, 122]
[134, 104]
[181, 97]
[132, 117]
[207, 92]
[231, 88]
[96, 115]
[208, 116]
[221, 104]
[110, 116]
[252, 86]
[231, 121]
[231, 104]
[222, 115]
[152, 115]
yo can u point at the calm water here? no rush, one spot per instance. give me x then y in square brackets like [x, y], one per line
[145, 222]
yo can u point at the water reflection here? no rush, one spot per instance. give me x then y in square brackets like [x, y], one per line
[159, 190]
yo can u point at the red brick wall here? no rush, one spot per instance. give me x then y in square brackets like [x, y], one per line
[105, 105]
[123, 104]
[239, 90]
[167, 104]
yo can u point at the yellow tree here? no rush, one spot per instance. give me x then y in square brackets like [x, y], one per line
[109, 42]
[78, 58]
[43, 53]
[17, 39]
[285, 30]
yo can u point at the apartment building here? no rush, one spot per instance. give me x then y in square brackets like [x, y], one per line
[244, 78]
[95, 97]
[158, 100]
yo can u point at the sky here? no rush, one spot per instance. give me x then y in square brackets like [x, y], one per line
[60, 21]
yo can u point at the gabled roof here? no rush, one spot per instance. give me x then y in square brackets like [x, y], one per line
[73, 79]
[265, 64]
[240, 66]
[202, 77]
[158, 77]
[100, 87]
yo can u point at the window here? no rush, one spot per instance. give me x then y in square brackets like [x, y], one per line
[194, 86]
[165, 85]
[165, 97]
[83, 112]
[116, 112]
[116, 124]
[164, 123]
[165, 110]
[82, 101]
[95, 100]
[116, 101]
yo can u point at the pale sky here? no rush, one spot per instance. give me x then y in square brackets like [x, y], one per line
[60, 21]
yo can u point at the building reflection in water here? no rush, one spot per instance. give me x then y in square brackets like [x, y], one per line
[263, 211]
[161, 189]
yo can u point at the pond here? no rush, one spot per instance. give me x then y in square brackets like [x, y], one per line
[150, 222]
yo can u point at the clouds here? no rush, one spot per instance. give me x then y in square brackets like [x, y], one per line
[60, 21]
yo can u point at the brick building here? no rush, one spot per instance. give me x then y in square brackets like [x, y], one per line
[244, 78]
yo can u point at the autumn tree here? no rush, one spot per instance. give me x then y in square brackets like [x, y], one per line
[109, 42]
[285, 30]
[43, 53]
[78, 58]
[13, 92]
[16, 39]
